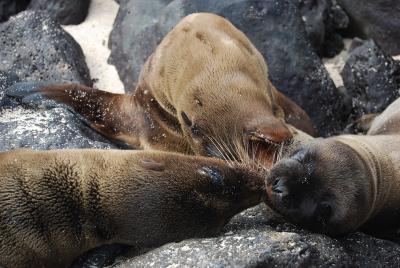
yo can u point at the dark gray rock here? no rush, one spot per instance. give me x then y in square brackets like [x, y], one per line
[35, 48]
[323, 20]
[64, 11]
[11, 7]
[130, 40]
[275, 28]
[371, 78]
[256, 238]
[375, 19]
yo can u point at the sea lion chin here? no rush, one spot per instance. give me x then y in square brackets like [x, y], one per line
[204, 91]
[55, 205]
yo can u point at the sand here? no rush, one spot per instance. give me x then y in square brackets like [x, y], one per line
[92, 35]
[335, 65]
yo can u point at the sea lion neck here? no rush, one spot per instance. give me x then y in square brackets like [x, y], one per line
[380, 168]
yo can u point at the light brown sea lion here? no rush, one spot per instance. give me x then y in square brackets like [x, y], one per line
[205, 90]
[339, 184]
[55, 205]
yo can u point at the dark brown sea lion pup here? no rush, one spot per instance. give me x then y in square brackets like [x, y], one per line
[339, 184]
[205, 90]
[55, 205]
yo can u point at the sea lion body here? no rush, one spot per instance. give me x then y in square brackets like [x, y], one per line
[205, 91]
[339, 184]
[55, 205]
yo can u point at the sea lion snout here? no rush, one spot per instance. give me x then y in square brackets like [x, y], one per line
[271, 129]
[282, 178]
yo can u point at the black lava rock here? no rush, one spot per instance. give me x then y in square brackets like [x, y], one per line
[375, 19]
[254, 239]
[371, 78]
[35, 47]
[275, 28]
[64, 11]
[323, 20]
[11, 7]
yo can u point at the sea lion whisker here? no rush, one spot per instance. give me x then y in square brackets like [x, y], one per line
[219, 147]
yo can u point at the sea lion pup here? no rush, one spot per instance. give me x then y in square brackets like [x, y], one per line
[205, 90]
[339, 184]
[55, 205]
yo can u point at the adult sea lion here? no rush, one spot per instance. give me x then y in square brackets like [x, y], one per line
[55, 205]
[339, 184]
[205, 90]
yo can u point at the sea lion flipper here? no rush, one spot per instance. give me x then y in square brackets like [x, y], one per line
[27, 93]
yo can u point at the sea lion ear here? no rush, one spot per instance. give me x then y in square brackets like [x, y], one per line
[103, 111]
[294, 115]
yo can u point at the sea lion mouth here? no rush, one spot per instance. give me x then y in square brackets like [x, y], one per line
[265, 150]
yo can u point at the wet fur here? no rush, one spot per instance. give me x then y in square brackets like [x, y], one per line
[58, 204]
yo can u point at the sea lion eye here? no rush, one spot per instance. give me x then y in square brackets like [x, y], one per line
[186, 119]
[323, 212]
[275, 110]
[193, 127]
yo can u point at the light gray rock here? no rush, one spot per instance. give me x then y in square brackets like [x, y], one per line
[250, 240]
[41, 127]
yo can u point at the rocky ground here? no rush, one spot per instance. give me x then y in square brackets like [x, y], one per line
[292, 36]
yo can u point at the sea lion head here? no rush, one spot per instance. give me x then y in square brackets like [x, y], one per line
[234, 123]
[184, 196]
[323, 187]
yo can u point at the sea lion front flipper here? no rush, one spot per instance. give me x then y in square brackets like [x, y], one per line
[26, 93]
[294, 115]
[110, 114]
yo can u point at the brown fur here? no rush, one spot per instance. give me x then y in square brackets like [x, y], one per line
[205, 84]
[339, 184]
[56, 205]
